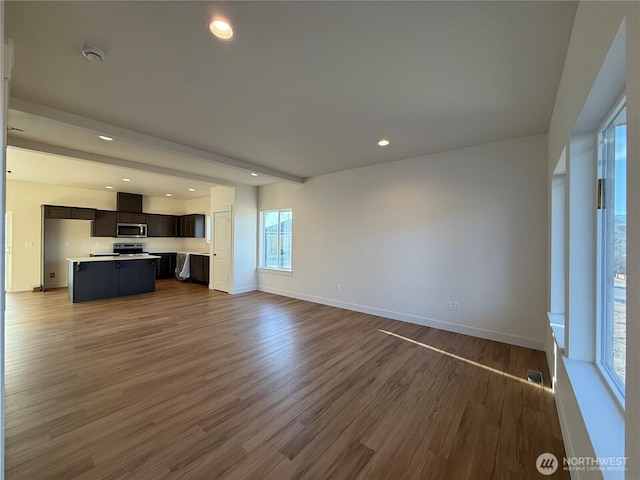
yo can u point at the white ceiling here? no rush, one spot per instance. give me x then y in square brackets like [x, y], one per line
[32, 166]
[304, 88]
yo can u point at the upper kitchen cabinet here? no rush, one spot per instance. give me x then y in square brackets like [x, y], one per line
[192, 226]
[154, 225]
[83, 213]
[73, 213]
[54, 211]
[161, 225]
[169, 226]
[127, 217]
[104, 224]
[129, 202]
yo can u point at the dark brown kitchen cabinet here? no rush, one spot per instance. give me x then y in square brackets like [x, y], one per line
[161, 225]
[54, 211]
[154, 225]
[126, 217]
[83, 213]
[104, 224]
[169, 226]
[73, 213]
[166, 265]
[192, 226]
[129, 202]
[199, 266]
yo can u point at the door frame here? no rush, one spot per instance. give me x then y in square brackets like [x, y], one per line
[221, 209]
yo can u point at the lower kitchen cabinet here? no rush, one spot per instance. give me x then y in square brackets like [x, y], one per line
[199, 266]
[94, 280]
[165, 265]
[136, 276]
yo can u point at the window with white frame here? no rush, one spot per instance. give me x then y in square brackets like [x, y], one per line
[612, 248]
[276, 239]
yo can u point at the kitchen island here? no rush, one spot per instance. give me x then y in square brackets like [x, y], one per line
[94, 278]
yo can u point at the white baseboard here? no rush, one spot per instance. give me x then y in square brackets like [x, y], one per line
[25, 288]
[410, 318]
[250, 288]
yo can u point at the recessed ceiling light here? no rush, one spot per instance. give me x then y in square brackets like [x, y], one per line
[221, 28]
[254, 174]
[126, 179]
[169, 194]
[383, 142]
[191, 189]
[104, 137]
[108, 186]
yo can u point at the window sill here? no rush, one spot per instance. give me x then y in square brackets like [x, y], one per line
[600, 411]
[276, 271]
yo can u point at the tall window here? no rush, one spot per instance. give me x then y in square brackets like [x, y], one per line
[612, 245]
[275, 245]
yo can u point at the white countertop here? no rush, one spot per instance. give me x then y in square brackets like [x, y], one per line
[110, 258]
[158, 252]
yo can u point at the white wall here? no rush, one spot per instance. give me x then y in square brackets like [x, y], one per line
[24, 200]
[595, 27]
[245, 234]
[402, 238]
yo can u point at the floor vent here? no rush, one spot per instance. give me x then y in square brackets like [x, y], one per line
[534, 377]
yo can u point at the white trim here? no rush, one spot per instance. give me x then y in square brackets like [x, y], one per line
[600, 412]
[416, 319]
[261, 240]
[277, 271]
[250, 288]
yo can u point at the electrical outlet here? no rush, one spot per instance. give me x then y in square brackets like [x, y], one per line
[456, 306]
[66, 244]
[338, 287]
[449, 304]
[52, 274]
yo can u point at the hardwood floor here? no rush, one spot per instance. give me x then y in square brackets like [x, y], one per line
[194, 384]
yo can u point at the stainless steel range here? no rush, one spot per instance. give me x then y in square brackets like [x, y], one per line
[129, 249]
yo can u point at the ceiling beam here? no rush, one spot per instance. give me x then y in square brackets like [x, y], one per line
[144, 139]
[95, 157]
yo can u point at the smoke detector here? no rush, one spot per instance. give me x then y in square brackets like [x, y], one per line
[93, 53]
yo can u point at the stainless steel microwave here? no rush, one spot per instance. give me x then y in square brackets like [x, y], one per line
[131, 230]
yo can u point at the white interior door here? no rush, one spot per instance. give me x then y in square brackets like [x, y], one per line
[221, 250]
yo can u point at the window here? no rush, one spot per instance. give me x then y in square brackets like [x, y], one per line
[612, 248]
[275, 243]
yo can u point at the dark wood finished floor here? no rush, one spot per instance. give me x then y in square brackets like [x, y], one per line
[193, 384]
